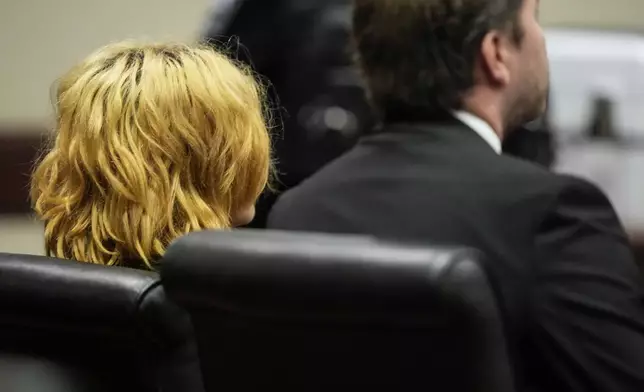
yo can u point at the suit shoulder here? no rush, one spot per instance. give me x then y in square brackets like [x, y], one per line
[569, 184]
[562, 185]
[564, 194]
[578, 193]
[556, 188]
[292, 203]
[556, 182]
[520, 166]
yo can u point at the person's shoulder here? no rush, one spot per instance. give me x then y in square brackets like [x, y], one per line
[575, 195]
[291, 207]
[550, 187]
[560, 185]
[517, 168]
[521, 177]
[560, 194]
[312, 187]
[317, 191]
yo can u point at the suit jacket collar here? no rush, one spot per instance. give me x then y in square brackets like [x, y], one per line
[481, 127]
[442, 126]
[447, 131]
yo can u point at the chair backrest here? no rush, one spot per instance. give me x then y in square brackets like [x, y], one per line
[309, 312]
[69, 326]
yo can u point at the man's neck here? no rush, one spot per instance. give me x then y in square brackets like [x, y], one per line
[485, 108]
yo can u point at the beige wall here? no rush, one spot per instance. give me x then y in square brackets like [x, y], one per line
[40, 39]
[21, 234]
[594, 13]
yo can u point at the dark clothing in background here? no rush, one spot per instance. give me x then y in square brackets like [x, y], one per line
[302, 48]
[557, 254]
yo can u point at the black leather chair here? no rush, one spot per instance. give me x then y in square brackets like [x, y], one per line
[309, 312]
[72, 327]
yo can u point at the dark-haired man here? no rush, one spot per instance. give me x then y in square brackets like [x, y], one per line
[449, 78]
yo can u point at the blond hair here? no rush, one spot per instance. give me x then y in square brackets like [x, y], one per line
[152, 141]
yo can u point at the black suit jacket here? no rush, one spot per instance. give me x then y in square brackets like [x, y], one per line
[570, 290]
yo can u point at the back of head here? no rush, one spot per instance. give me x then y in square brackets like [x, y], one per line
[426, 56]
[152, 141]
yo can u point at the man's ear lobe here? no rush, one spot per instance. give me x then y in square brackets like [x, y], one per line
[494, 59]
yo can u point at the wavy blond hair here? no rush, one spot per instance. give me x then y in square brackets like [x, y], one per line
[152, 141]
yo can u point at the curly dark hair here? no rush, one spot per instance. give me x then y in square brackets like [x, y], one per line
[419, 55]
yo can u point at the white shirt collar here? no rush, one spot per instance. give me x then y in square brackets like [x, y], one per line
[481, 127]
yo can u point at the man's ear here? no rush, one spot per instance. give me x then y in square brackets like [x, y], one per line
[494, 58]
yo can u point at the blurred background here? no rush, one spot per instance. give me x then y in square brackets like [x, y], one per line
[597, 100]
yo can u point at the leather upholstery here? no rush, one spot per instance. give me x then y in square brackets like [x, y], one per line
[306, 312]
[79, 327]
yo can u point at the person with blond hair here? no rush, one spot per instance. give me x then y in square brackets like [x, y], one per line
[152, 141]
